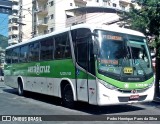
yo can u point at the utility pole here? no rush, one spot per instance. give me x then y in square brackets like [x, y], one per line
[20, 20]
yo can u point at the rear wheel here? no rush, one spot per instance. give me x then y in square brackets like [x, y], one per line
[67, 97]
[20, 89]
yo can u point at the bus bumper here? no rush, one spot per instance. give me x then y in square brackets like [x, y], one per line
[107, 96]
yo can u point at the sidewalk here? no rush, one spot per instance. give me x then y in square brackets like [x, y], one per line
[157, 99]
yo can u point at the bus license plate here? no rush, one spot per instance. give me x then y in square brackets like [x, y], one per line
[134, 97]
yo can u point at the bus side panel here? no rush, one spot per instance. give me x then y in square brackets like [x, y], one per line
[92, 87]
[9, 76]
[51, 86]
[29, 84]
[40, 85]
[11, 81]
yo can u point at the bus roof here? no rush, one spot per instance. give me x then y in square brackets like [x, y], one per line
[90, 26]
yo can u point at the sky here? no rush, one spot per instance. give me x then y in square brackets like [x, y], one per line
[4, 24]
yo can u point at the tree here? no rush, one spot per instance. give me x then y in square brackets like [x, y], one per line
[3, 41]
[147, 20]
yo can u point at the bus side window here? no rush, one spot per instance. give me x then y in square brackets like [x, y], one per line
[46, 49]
[23, 54]
[8, 57]
[67, 52]
[81, 46]
[62, 46]
[33, 52]
[15, 55]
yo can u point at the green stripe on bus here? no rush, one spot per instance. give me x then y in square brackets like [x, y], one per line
[55, 69]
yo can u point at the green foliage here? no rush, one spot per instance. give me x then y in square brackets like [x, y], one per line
[146, 19]
[3, 41]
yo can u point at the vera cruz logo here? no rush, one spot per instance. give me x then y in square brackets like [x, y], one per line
[38, 69]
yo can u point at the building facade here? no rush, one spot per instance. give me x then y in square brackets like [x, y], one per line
[20, 21]
[50, 15]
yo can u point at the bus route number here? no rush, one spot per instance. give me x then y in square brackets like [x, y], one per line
[128, 70]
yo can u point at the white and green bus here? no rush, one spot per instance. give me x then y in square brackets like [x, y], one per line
[97, 64]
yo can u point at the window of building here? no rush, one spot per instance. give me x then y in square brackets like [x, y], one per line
[9, 28]
[10, 21]
[51, 3]
[71, 4]
[14, 28]
[45, 31]
[46, 50]
[14, 3]
[62, 46]
[14, 12]
[114, 5]
[14, 20]
[14, 36]
[51, 29]
[122, 7]
[52, 16]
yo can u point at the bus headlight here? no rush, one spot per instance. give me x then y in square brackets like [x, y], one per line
[151, 84]
[109, 86]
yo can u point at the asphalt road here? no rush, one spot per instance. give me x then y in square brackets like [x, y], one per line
[38, 105]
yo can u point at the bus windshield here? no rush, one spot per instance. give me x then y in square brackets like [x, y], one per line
[122, 54]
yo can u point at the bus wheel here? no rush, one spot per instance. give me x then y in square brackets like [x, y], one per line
[20, 89]
[67, 97]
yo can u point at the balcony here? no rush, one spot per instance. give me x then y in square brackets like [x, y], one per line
[80, 1]
[42, 23]
[13, 32]
[12, 24]
[11, 17]
[15, 7]
[42, 1]
[12, 41]
[124, 2]
[42, 10]
[15, 0]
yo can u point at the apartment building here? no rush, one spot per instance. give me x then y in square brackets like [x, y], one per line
[50, 15]
[118, 4]
[20, 21]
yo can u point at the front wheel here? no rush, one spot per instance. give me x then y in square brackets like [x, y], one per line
[67, 97]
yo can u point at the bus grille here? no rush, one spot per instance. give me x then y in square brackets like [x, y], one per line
[126, 99]
[130, 91]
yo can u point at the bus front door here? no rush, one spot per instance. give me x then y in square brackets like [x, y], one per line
[81, 55]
